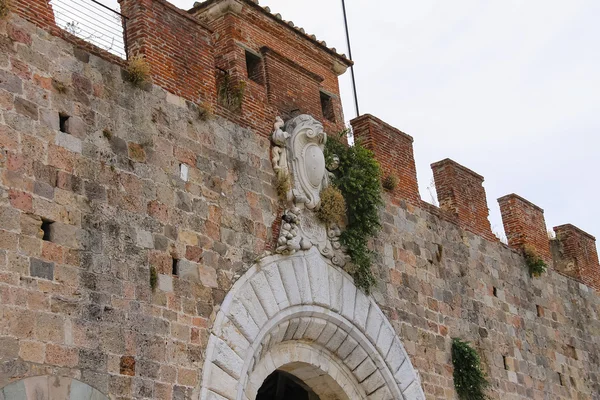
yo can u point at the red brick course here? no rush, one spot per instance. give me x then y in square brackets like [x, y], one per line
[177, 47]
[461, 191]
[578, 256]
[524, 225]
[394, 151]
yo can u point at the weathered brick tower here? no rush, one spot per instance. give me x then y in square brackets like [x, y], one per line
[141, 252]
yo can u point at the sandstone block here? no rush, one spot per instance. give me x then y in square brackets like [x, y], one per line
[68, 141]
[26, 108]
[9, 219]
[208, 276]
[10, 82]
[65, 235]
[41, 269]
[62, 356]
[165, 283]
[9, 348]
[144, 239]
[21, 200]
[188, 270]
[50, 119]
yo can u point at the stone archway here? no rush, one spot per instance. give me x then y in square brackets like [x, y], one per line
[50, 387]
[301, 309]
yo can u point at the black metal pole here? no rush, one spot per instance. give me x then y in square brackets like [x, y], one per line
[350, 55]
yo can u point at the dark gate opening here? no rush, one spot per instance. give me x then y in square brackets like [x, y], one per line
[283, 386]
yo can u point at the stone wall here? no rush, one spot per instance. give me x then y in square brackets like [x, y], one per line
[96, 163]
[80, 304]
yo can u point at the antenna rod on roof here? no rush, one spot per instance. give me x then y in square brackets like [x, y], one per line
[350, 55]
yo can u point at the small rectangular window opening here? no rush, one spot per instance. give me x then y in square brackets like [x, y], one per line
[495, 291]
[254, 68]
[46, 229]
[505, 364]
[175, 271]
[63, 122]
[327, 107]
[540, 310]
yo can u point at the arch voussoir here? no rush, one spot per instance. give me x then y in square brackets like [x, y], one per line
[301, 309]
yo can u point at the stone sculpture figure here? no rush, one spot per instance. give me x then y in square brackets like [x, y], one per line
[299, 161]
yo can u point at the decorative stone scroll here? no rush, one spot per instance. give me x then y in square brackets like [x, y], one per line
[299, 162]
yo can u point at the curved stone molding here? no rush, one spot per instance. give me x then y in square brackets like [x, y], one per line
[50, 388]
[285, 301]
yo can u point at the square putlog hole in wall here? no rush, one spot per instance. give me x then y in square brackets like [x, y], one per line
[46, 228]
[540, 310]
[327, 107]
[63, 122]
[254, 68]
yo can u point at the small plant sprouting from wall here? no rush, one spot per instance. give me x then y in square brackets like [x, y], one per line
[138, 70]
[390, 182]
[59, 86]
[205, 111]
[470, 381]
[107, 133]
[5, 8]
[535, 263]
[358, 179]
[333, 206]
[230, 95]
[284, 184]
[153, 278]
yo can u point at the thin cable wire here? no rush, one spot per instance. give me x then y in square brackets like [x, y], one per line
[112, 19]
[93, 22]
[350, 55]
[82, 18]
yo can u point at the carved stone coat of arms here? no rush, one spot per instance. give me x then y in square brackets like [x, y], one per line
[299, 162]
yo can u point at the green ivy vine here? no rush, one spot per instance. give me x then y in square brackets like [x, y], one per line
[358, 178]
[469, 379]
[535, 263]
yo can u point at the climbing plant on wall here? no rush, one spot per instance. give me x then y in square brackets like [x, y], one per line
[358, 179]
[535, 263]
[469, 379]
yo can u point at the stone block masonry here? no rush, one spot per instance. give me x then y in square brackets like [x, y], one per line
[83, 217]
[87, 214]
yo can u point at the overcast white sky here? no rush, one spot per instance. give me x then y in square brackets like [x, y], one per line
[508, 88]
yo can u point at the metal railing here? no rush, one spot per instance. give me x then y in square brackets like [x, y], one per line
[93, 22]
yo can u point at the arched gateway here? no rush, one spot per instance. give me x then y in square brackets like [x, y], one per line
[304, 316]
[296, 320]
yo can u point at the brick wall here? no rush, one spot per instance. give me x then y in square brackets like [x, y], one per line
[38, 12]
[576, 255]
[394, 151]
[244, 25]
[460, 191]
[292, 89]
[176, 45]
[524, 225]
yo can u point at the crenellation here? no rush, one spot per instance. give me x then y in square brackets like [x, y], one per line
[93, 199]
[460, 191]
[524, 225]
